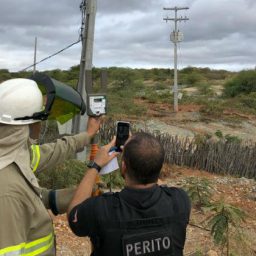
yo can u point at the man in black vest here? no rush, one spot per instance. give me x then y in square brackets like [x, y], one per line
[144, 218]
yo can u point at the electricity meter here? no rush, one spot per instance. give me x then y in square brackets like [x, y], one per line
[96, 104]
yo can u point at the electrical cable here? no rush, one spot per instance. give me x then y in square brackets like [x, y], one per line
[54, 54]
[82, 7]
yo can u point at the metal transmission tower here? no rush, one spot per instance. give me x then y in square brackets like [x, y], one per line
[176, 37]
[88, 8]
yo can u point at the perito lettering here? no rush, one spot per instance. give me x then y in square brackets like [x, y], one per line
[148, 246]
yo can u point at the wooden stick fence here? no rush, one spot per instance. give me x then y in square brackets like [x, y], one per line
[219, 157]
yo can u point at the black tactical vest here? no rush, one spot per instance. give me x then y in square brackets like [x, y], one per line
[158, 236]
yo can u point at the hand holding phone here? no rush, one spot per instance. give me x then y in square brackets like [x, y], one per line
[122, 134]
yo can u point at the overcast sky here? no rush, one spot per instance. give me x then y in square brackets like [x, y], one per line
[220, 34]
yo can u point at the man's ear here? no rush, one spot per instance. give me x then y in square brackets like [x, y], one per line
[34, 130]
[123, 168]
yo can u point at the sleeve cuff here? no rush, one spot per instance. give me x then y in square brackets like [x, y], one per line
[82, 139]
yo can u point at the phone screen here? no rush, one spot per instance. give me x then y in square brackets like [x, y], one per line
[122, 134]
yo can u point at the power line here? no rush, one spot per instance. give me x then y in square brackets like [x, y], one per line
[82, 7]
[54, 54]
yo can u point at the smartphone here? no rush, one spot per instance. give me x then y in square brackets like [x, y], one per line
[122, 133]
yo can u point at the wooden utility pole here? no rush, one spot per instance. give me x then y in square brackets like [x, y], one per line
[176, 37]
[89, 8]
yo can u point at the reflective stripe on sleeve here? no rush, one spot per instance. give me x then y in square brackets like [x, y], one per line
[36, 157]
[33, 248]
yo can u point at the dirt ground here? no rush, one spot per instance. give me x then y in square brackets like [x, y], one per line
[240, 192]
[188, 121]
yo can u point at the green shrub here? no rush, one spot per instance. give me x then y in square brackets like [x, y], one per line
[248, 100]
[213, 108]
[205, 89]
[158, 96]
[194, 78]
[199, 190]
[232, 139]
[227, 138]
[198, 253]
[219, 134]
[4, 75]
[244, 82]
[160, 86]
[226, 218]
[190, 76]
[68, 174]
[113, 180]
[121, 101]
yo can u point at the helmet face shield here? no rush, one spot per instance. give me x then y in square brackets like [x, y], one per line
[21, 100]
[62, 101]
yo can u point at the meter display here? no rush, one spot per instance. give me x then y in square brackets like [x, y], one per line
[96, 104]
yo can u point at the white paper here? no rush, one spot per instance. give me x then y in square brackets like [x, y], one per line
[110, 167]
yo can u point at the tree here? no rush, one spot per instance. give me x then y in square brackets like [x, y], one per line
[4, 75]
[226, 217]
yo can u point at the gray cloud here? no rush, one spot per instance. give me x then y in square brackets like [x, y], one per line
[220, 33]
[217, 21]
[123, 6]
[38, 13]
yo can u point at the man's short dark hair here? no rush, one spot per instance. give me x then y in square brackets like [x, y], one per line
[143, 156]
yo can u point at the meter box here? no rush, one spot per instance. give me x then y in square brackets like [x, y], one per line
[96, 104]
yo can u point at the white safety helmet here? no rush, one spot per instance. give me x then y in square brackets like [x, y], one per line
[20, 98]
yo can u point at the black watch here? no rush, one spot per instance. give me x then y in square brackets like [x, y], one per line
[92, 164]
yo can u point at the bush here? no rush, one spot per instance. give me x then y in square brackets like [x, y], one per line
[4, 75]
[121, 102]
[213, 108]
[227, 138]
[232, 139]
[191, 78]
[113, 180]
[199, 191]
[244, 82]
[248, 100]
[160, 96]
[219, 134]
[65, 175]
[205, 89]
[160, 86]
